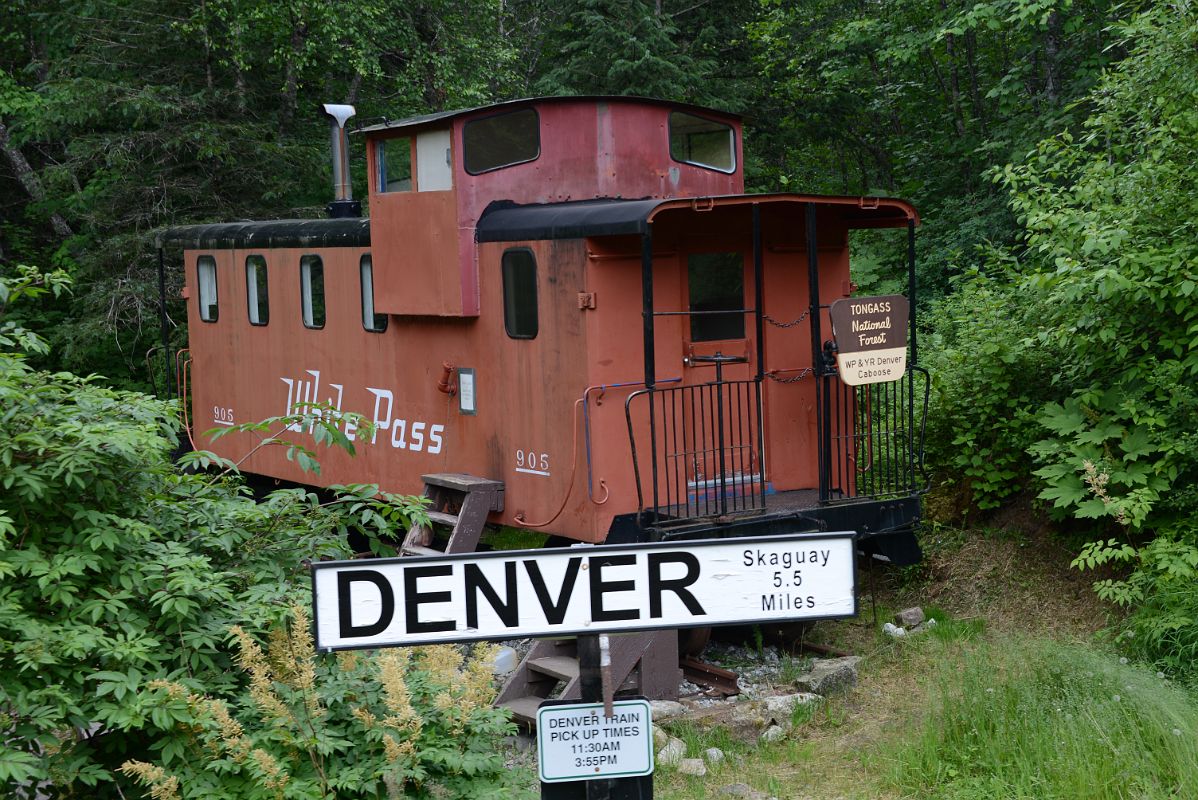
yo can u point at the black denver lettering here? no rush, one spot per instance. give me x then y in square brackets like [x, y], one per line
[675, 585]
[555, 612]
[346, 628]
[599, 586]
[476, 582]
[413, 598]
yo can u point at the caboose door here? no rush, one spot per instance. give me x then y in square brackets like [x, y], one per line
[714, 441]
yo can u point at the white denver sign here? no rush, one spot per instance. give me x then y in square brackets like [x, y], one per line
[582, 590]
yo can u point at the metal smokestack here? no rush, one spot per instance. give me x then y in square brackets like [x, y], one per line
[343, 204]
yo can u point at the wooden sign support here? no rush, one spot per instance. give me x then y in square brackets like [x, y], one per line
[591, 682]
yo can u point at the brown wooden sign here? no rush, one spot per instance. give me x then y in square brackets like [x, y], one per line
[871, 338]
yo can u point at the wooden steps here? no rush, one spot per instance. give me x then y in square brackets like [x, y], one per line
[641, 663]
[460, 503]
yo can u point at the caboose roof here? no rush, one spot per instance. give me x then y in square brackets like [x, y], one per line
[345, 232]
[503, 221]
[441, 116]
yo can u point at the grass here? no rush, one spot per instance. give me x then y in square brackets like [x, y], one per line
[966, 713]
[1028, 718]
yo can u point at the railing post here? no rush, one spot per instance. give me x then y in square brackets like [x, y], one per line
[817, 354]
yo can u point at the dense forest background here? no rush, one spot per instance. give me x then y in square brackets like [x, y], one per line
[1051, 146]
[120, 117]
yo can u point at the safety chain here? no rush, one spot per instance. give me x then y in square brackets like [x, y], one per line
[790, 324]
[773, 376]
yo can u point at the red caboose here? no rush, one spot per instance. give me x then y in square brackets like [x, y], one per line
[568, 308]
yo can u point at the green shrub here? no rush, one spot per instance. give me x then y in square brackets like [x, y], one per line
[988, 382]
[413, 722]
[118, 569]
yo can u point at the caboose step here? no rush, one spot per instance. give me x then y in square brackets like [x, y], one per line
[642, 663]
[524, 709]
[417, 550]
[441, 518]
[564, 668]
[459, 502]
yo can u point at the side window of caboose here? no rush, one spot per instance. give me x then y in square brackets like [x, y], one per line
[520, 294]
[393, 163]
[702, 142]
[206, 279]
[312, 291]
[256, 290]
[370, 320]
[716, 283]
[501, 140]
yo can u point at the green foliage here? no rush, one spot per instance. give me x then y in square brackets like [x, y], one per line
[987, 381]
[397, 723]
[146, 113]
[920, 99]
[1036, 719]
[617, 47]
[119, 569]
[1110, 225]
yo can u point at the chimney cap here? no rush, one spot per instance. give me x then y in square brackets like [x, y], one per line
[341, 113]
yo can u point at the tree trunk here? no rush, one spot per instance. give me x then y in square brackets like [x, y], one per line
[975, 95]
[1052, 57]
[291, 80]
[29, 180]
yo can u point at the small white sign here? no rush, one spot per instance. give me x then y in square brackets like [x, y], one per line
[578, 742]
[580, 590]
[466, 391]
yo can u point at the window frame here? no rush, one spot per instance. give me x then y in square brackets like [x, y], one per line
[536, 300]
[212, 308]
[701, 165]
[466, 147]
[380, 164]
[263, 295]
[307, 305]
[367, 262]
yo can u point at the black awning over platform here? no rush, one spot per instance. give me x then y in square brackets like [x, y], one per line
[504, 221]
[508, 222]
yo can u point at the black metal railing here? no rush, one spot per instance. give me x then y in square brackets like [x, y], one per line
[705, 444]
[873, 437]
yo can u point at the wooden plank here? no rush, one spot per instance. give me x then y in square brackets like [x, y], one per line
[561, 667]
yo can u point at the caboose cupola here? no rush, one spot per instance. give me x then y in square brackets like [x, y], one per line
[431, 177]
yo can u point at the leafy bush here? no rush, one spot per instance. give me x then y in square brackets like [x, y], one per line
[398, 723]
[989, 381]
[118, 569]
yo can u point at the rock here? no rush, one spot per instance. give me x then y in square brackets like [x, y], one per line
[829, 676]
[742, 790]
[505, 662]
[713, 755]
[672, 753]
[924, 627]
[773, 733]
[909, 617]
[781, 707]
[692, 766]
[666, 709]
[893, 630]
[660, 738]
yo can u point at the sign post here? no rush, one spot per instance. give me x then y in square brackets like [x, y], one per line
[604, 748]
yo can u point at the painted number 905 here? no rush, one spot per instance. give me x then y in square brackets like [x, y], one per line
[532, 461]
